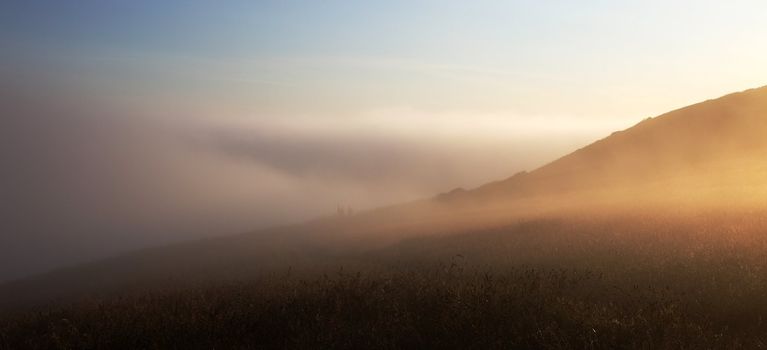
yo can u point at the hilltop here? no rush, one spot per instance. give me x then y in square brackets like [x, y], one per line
[718, 142]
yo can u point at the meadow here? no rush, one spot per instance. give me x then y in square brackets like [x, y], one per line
[632, 281]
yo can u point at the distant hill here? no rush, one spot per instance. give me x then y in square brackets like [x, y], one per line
[712, 150]
[721, 142]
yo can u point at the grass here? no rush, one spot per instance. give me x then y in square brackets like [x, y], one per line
[614, 283]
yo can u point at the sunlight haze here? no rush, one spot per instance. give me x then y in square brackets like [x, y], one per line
[184, 119]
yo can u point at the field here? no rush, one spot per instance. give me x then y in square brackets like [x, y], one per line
[687, 281]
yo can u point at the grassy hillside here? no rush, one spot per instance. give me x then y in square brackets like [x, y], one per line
[622, 281]
[654, 237]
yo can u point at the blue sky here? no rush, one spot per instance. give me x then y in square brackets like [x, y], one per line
[605, 60]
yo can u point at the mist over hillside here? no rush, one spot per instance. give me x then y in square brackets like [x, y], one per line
[703, 158]
[652, 236]
[190, 174]
[87, 178]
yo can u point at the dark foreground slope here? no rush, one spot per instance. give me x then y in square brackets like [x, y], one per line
[624, 281]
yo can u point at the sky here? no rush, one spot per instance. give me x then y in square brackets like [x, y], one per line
[136, 123]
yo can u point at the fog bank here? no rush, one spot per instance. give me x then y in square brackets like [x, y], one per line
[84, 177]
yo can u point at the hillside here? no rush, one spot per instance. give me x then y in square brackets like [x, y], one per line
[718, 142]
[709, 149]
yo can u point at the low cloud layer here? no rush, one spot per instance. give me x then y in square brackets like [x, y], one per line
[80, 181]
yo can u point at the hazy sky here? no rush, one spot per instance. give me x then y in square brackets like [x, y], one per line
[127, 123]
[248, 59]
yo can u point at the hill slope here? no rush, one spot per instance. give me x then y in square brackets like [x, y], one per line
[714, 147]
[726, 136]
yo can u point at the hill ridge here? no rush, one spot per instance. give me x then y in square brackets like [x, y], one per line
[680, 123]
